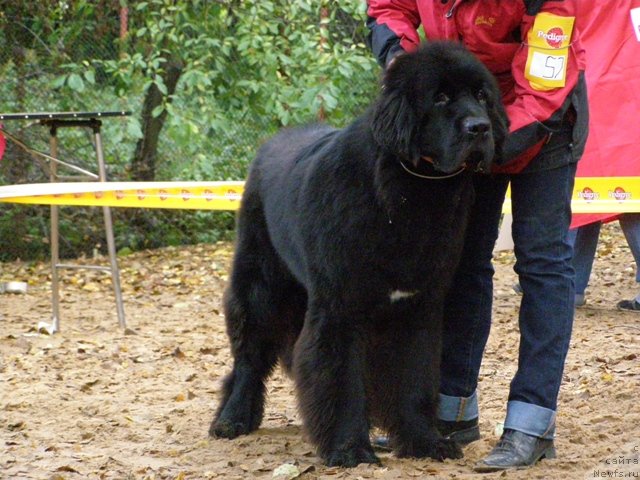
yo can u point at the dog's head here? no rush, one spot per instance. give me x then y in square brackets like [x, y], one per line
[442, 106]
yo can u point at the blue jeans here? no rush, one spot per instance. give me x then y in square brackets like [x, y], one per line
[585, 241]
[541, 206]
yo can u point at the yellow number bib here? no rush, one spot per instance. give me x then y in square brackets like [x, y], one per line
[548, 42]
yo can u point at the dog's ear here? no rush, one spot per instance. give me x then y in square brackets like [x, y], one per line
[394, 121]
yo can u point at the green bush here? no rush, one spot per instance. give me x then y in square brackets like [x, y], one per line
[246, 70]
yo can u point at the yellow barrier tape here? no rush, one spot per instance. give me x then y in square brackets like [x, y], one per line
[590, 195]
[177, 195]
[601, 195]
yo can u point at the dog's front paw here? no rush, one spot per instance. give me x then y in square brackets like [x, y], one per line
[227, 429]
[438, 449]
[351, 457]
[445, 448]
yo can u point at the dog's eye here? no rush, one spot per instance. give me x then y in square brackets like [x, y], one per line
[481, 95]
[442, 99]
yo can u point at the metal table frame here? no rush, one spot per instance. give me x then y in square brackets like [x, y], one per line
[56, 121]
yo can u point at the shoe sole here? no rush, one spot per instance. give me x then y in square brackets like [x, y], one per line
[623, 309]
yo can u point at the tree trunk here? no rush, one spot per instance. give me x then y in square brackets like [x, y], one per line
[143, 165]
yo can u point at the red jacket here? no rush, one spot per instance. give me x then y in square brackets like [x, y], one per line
[611, 38]
[531, 46]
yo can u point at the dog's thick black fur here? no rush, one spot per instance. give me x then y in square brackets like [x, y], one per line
[344, 256]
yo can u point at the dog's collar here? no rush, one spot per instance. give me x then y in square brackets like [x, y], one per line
[441, 176]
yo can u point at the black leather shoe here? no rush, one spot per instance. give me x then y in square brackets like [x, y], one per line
[516, 450]
[629, 305]
[463, 433]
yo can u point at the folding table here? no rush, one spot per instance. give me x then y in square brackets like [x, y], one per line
[55, 121]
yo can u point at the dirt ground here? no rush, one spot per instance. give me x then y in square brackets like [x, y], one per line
[94, 401]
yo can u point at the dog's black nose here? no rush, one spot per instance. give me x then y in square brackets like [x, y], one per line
[474, 126]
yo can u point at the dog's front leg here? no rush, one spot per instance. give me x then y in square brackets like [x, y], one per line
[328, 369]
[414, 432]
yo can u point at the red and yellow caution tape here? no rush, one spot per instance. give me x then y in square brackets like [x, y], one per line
[590, 195]
[178, 195]
[601, 195]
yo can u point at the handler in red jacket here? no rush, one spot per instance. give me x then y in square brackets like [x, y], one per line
[533, 48]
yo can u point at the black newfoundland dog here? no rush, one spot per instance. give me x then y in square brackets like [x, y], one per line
[347, 241]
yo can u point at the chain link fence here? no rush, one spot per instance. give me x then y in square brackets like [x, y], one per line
[36, 78]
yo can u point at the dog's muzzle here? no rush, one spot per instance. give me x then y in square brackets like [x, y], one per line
[474, 127]
[477, 131]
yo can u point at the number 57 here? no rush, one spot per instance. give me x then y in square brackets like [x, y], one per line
[553, 67]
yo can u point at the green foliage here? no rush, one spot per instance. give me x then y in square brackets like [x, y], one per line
[299, 66]
[247, 69]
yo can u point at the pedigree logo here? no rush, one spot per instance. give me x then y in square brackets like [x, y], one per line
[186, 194]
[619, 194]
[232, 195]
[554, 37]
[588, 195]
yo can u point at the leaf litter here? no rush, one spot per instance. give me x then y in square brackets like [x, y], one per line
[94, 401]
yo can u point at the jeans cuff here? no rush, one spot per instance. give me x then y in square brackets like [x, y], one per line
[531, 419]
[457, 409]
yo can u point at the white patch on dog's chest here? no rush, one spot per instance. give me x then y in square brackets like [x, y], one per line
[397, 295]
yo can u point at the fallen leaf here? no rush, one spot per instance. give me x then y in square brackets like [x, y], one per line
[87, 386]
[179, 354]
[607, 377]
[17, 426]
[286, 471]
[66, 468]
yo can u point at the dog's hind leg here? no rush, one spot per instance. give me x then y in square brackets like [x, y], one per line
[329, 374]
[264, 311]
[243, 393]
